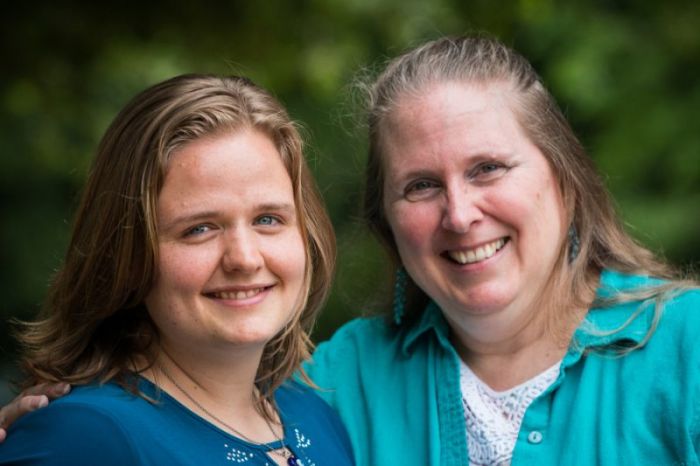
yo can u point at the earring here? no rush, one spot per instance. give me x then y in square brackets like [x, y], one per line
[574, 243]
[399, 294]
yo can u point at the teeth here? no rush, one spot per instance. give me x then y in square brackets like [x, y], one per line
[238, 294]
[478, 254]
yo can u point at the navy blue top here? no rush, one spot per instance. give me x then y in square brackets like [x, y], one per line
[107, 425]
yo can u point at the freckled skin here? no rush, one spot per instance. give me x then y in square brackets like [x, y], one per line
[461, 173]
[226, 221]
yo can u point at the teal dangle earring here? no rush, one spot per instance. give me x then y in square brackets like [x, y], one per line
[574, 243]
[399, 302]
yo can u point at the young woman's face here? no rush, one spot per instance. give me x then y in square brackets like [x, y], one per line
[474, 207]
[231, 255]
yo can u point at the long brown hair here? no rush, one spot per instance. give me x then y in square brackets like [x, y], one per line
[603, 243]
[94, 325]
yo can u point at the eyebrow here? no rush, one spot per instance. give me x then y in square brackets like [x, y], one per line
[277, 207]
[283, 207]
[193, 218]
[474, 158]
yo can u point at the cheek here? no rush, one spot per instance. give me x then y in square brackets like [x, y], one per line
[533, 201]
[180, 269]
[540, 218]
[286, 257]
[551, 206]
[413, 225]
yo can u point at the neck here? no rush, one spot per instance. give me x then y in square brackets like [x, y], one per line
[516, 354]
[223, 394]
[228, 380]
[233, 386]
[507, 348]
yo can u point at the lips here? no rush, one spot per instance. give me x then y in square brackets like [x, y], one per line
[478, 254]
[238, 294]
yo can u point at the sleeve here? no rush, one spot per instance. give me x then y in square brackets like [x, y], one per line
[336, 434]
[68, 434]
[323, 431]
[320, 367]
[335, 362]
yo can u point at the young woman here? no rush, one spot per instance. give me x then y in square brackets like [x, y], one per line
[200, 255]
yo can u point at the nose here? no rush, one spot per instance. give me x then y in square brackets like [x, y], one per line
[241, 252]
[461, 209]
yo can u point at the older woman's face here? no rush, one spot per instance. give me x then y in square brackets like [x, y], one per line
[474, 207]
[232, 259]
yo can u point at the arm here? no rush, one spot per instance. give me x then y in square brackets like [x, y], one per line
[30, 400]
[69, 433]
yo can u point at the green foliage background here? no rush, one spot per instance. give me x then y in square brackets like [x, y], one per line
[626, 73]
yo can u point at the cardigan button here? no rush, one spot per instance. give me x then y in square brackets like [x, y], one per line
[534, 437]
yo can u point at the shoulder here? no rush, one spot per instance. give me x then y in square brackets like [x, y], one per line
[670, 302]
[77, 429]
[312, 423]
[686, 299]
[680, 317]
[363, 327]
[669, 312]
[364, 334]
[353, 346]
[92, 403]
[298, 397]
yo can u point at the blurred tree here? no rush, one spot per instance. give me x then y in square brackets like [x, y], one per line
[624, 71]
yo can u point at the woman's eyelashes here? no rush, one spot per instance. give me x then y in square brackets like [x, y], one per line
[197, 230]
[421, 189]
[201, 230]
[480, 173]
[269, 220]
[488, 171]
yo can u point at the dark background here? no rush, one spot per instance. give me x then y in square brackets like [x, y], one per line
[625, 72]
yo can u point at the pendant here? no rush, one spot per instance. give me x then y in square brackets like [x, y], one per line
[293, 461]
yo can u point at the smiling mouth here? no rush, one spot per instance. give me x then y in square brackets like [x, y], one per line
[239, 295]
[471, 256]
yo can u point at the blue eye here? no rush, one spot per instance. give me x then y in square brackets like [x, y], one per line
[488, 171]
[421, 185]
[267, 220]
[421, 189]
[197, 230]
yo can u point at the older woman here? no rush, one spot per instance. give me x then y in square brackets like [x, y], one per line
[200, 255]
[527, 326]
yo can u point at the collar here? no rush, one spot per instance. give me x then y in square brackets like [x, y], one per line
[630, 321]
[431, 320]
[601, 327]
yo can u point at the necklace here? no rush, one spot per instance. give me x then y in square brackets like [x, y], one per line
[284, 452]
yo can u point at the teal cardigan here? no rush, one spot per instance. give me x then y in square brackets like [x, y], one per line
[398, 392]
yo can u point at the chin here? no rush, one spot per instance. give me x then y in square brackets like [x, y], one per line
[482, 301]
[255, 334]
[478, 309]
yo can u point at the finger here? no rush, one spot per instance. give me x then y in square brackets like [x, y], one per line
[57, 390]
[3, 434]
[52, 390]
[19, 407]
[27, 404]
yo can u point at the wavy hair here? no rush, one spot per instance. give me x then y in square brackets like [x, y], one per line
[94, 325]
[478, 59]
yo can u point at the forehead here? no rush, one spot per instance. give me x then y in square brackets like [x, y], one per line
[241, 165]
[444, 105]
[454, 116]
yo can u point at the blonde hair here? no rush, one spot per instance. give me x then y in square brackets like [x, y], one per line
[94, 324]
[483, 60]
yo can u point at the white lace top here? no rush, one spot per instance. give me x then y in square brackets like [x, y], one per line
[493, 418]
